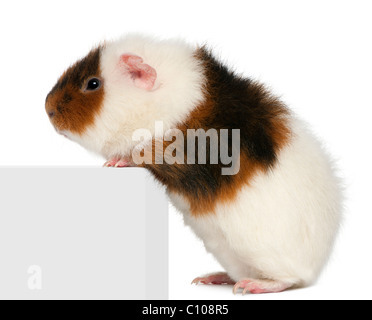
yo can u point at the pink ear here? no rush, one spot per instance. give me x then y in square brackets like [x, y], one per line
[143, 75]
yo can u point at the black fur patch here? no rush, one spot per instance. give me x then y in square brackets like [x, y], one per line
[240, 103]
[232, 102]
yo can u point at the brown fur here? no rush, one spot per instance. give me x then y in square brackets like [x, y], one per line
[230, 103]
[74, 108]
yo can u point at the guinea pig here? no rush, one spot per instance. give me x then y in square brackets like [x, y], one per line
[272, 223]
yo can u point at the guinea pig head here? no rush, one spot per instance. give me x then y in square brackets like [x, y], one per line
[80, 105]
[77, 96]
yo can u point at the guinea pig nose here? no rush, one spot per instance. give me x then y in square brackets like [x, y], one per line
[49, 108]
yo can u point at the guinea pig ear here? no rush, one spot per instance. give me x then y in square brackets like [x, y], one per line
[143, 75]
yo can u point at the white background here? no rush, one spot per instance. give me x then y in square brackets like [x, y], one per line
[315, 54]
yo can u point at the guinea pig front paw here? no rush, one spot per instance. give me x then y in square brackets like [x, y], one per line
[118, 163]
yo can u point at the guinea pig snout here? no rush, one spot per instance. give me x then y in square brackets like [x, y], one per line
[49, 108]
[55, 105]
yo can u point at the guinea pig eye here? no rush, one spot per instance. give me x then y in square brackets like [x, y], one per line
[93, 84]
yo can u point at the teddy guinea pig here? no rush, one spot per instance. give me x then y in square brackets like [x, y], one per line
[272, 223]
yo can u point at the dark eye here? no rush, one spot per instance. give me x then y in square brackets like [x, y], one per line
[93, 84]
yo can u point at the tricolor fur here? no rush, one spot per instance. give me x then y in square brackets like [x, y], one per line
[277, 218]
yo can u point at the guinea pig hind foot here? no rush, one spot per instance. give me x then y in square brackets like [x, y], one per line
[257, 286]
[215, 278]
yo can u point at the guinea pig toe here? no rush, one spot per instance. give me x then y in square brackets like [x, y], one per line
[257, 286]
[118, 163]
[122, 163]
[111, 162]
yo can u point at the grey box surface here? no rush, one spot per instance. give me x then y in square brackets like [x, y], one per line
[82, 233]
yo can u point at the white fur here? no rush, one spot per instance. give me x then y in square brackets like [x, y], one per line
[178, 89]
[283, 225]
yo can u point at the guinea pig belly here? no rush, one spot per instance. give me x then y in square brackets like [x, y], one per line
[285, 222]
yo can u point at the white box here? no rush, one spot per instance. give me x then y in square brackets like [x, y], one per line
[82, 233]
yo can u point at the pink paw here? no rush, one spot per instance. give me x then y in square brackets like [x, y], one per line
[217, 278]
[260, 286]
[118, 163]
